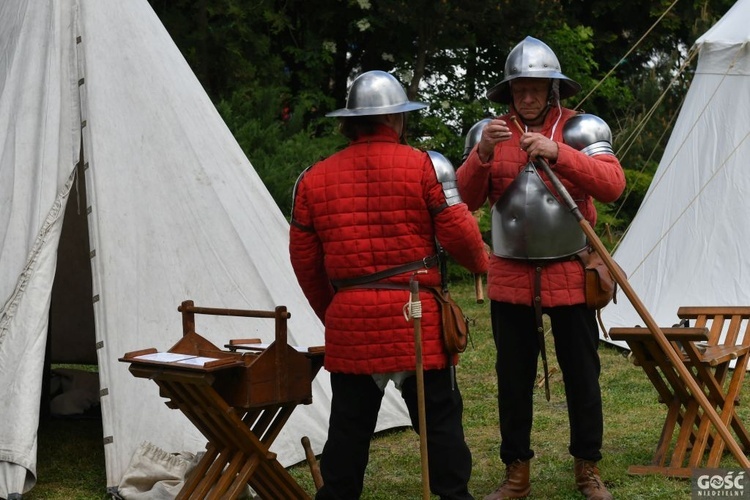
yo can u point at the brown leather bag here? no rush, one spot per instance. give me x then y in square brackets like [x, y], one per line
[455, 323]
[600, 285]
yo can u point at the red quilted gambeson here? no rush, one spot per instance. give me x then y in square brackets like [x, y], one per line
[363, 210]
[600, 177]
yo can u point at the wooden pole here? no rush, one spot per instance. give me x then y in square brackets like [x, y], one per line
[312, 462]
[640, 308]
[416, 315]
[479, 288]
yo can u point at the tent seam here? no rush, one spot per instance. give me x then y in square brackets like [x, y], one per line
[11, 305]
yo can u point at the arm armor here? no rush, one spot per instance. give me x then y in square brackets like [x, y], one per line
[589, 134]
[294, 200]
[446, 176]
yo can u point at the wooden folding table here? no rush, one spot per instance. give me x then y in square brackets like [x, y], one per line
[718, 337]
[239, 401]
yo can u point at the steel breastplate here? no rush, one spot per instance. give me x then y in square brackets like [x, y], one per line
[530, 223]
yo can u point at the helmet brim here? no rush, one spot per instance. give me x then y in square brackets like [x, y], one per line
[501, 92]
[380, 110]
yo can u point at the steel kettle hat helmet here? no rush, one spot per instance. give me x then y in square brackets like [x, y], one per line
[376, 93]
[531, 58]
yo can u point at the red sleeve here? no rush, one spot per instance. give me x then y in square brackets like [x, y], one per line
[456, 229]
[473, 178]
[600, 176]
[306, 254]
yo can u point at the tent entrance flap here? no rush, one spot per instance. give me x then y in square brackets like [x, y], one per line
[71, 335]
[169, 207]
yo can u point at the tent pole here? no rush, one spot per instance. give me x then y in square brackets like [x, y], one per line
[640, 308]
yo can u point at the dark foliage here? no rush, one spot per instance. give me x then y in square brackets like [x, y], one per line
[275, 68]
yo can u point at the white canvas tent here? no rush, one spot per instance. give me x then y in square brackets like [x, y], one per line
[173, 211]
[689, 242]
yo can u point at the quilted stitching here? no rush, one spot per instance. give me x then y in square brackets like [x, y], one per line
[562, 282]
[369, 205]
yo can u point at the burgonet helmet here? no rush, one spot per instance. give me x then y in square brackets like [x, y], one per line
[376, 93]
[532, 58]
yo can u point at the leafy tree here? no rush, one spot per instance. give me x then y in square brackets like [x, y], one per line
[274, 68]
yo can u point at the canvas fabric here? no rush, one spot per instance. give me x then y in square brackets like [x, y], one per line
[174, 209]
[687, 245]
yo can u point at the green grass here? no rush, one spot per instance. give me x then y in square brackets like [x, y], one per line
[70, 462]
[71, 459]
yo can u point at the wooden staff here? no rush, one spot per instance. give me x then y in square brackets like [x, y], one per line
[479, 288]
[312, 462]
[415, 312]
[640, 308]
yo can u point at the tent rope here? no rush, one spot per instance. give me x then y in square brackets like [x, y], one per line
[692, 201]
[671, 163]
[642, 123]
[630, 140]
[627, 54]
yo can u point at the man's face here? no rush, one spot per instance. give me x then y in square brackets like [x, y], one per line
[530, 98]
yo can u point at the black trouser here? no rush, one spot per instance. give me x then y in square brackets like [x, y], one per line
[576, 340]
[354, 411]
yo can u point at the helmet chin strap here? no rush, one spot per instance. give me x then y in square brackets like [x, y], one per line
[553, 99]
[538, 119]
[402, 137]
[543, 113]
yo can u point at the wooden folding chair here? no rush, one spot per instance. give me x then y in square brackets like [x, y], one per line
[718, 337]
[238, 400]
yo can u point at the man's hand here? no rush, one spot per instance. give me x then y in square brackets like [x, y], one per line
[494, 132]
[539, 146]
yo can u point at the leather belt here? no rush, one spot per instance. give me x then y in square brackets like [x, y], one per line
[425, 263]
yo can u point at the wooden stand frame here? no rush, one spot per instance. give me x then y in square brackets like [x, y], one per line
[238, 401]
[706, 349]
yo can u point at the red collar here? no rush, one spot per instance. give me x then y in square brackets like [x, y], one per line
[382, 134]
